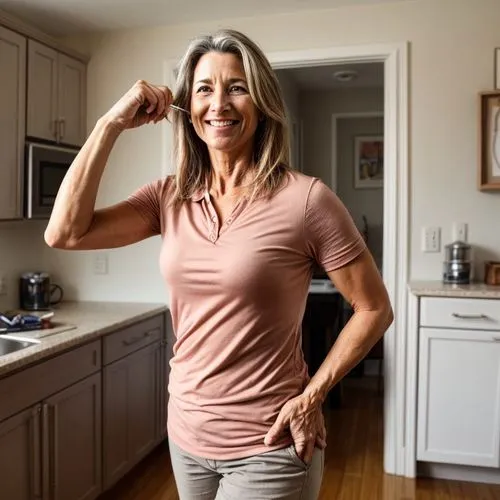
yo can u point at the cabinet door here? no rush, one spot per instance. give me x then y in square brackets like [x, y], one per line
[73, 437]
[20, 456]
[459, 397]
[12, 122]
[166, 353]
[131, 411]
[71, 100]
[42, 92]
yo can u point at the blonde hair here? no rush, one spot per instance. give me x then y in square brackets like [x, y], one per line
[271, 142]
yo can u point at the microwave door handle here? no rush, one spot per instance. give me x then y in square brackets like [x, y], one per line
[62, 128]
[56, 130]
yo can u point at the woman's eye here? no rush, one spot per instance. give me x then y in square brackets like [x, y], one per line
[204, 88]
[236, 89]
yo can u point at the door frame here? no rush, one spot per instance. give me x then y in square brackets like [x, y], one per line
[396, 232]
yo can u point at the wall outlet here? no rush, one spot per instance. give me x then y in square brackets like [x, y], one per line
[3, 285]
[460, 231]
[101, 263]
[431, 239]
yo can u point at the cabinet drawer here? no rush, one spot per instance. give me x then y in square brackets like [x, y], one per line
[31, 385]
[477, 314]
[132, 338]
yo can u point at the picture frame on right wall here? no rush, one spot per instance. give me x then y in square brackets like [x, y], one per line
[489, 141]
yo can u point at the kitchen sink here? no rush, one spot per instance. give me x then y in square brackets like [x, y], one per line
[8, 345]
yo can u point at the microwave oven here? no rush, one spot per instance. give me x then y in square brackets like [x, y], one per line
[46, 166]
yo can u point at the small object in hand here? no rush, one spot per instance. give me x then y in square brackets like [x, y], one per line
[173, 106]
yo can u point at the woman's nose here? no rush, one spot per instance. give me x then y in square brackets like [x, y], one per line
[219, 101]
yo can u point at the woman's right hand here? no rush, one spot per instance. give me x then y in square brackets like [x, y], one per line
[143, 103]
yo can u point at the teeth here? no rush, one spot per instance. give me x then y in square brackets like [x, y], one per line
[220, 123]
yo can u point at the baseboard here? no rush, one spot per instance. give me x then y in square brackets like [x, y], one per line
[488, 475]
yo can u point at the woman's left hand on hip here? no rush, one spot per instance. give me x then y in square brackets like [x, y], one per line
[306, 424]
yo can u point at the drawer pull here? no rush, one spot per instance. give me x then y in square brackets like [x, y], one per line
[469, 316]
[496, 339]
[134, 340]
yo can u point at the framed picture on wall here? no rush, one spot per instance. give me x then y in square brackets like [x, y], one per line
[368, 161]
[489, 140]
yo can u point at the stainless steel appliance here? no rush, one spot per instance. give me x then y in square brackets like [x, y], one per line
[36, 291]
[46, 166]
[457, 266]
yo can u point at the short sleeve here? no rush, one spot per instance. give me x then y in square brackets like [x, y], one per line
[333, 239]
[148, 201]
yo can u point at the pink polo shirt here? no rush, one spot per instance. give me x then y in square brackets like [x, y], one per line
[237, 296]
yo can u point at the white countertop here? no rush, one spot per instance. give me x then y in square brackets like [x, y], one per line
[77, 323]
[439, 289]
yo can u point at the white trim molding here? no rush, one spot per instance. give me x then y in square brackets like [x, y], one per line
[396, 216]
[335, 118]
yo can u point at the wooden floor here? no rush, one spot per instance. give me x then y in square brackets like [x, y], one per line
[353, 462]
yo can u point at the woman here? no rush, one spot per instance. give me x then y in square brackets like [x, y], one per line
[241, 233]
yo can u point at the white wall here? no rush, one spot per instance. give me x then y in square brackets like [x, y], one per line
[21, 250]
[317, 108]
[451, 59]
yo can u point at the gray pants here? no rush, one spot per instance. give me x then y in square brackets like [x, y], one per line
[274, 475]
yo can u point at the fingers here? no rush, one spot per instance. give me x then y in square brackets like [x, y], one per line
[307, 453]
[164, 98]
[155, 98]
[277, 428]
[320, 442]
[321, 434]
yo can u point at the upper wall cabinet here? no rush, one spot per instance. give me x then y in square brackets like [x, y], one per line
[12, 122]
[56, 96]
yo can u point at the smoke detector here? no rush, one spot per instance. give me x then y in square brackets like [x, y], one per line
[347, 75]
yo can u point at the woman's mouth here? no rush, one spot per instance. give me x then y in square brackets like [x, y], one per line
[222, 123]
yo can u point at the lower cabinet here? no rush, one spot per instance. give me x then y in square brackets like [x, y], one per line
[458, 419]
[72, 454]
[73, 425]
[131, 410]
[53, 450]
[20, 455]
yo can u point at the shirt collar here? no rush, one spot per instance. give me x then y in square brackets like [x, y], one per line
[199, 195]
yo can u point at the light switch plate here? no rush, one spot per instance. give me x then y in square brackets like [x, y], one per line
[460, 231]
[431, 239]
[101, 263]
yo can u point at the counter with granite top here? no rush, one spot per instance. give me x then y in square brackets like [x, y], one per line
[439, 289]
[76, 323]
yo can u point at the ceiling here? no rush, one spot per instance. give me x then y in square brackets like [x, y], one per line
[322, 77]
[69, 17]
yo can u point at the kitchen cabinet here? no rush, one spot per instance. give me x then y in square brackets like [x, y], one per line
[20, 460]
[56, 97]
[132, 397]
[37, 447]
[12, 122]
[73, 425]
[166, 355]
[52, 449]
[458, 419]
[72, 441]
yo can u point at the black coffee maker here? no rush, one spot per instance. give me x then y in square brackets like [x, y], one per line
[36, 291]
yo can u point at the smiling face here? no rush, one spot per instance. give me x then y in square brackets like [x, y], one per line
[223, 113]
